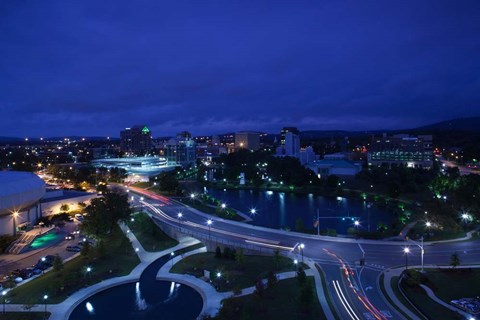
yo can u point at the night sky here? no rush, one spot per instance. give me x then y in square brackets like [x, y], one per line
[84, 68]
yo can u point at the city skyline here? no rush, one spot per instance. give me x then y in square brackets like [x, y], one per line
[89, 70]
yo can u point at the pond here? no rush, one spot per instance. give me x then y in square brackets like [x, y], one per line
[147, 299]
[281, 210]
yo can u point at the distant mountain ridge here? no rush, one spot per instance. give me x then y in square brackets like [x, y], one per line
[459, 124]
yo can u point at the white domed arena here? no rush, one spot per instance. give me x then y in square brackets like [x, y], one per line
[20, 194]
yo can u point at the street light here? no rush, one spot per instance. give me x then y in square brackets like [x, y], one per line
[219, 274]
[420, 245]
[15, 215]
[4, 293]
[179, 215]
[45, 297]
[302, 246]
[295, 262]
[172, 254]
[209, 223]
[406, 251]
[253, 211]
[224, 205]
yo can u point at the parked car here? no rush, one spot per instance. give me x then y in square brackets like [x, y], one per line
[74, 248]
[18, 279]
[69, 236]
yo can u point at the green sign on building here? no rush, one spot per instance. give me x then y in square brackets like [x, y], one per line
[145, 130]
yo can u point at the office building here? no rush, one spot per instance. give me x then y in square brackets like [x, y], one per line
[247, 140]
[136, 140]
[181, 150]
[284, 132]
[401, 150]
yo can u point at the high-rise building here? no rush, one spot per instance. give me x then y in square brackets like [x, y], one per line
[284, 131]
[181, 150]
[402, 149]
[247, 140]
[136, 140]
[292, 144]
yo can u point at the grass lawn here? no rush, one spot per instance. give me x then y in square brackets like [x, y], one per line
[225, 214]
[451, 284]
[24, 316]
[142, 184]
[429, 307]
[234, 275]
[118, 259]
[149, 235]
[282, 302]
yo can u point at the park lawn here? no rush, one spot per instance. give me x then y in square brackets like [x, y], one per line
[118, 260]
[151, 237]
[282, 302]
[142, 185]
[427, 306]
[24, 316]
[451, 284]
[238, 276]
[213, 211]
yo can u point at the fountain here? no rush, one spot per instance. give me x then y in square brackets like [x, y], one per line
[141, 303]
[90, 308]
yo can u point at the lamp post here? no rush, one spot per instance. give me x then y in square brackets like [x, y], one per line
[302, 246]
[89, 269]
[15, 215]
[422, 250]
[295, 262]
[43, 264]
[357, 225]
[179, 215]
[4, 293]
[141, 199]
[45, 297]
[171, 255]
[209, 223]
[406, 252]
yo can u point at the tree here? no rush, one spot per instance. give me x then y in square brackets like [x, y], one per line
[276, 259]
[100, 249]
[299, 225]
[332, 181]
[271, 279]
[105, 212]
[86, 249]
[259, 287]
[168, 182]
[239, 257]
[454, 260]
[64, 207]
[57, 263]
[301, 276]
[218, 252]
[306, 295]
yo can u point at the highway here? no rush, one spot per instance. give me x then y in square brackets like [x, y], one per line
[352, 287]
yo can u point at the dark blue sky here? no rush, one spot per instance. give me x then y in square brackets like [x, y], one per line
[81, 68]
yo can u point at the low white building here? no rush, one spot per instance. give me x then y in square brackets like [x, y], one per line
[339, 167]
[24, 199]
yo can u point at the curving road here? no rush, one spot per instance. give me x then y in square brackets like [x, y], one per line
[353, 288]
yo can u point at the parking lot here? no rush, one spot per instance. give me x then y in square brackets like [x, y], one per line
[12, 262]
